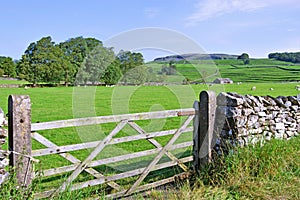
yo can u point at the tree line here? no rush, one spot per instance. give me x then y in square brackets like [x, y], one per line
[288, 57]
[76, 61]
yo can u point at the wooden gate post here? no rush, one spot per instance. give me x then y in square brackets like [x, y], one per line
[19, 137]
[203, 138]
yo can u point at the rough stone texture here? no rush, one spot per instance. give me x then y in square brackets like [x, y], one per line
[3, 153]
[243, 120]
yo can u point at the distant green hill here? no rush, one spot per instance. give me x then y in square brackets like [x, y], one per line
[195, 56]
[259, 70]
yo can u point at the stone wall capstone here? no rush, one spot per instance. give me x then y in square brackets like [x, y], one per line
[247, 119]
[3, 153]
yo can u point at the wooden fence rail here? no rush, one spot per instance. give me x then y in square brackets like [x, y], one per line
[202, 134]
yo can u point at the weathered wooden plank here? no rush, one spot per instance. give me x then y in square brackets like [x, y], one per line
[160, 154]
[186, 113]
[48, 143]
[156, 167]
[148, 186]
[44, 195]
[207, 112]
[64, 149]
[83, 165]
[110, 119]
[71, 158]
[196, 136]
[75, 147]
[115, 177]
[147, 136]
[64, 169]
[127, 174]
[174, 178]
[19, 137]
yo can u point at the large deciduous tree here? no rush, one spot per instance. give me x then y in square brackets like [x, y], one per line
[43, 61]
[132, 66]
[94, 65]
[112, 73]
[76, 50]
[129, 60]
[136, 76]
[7, 66]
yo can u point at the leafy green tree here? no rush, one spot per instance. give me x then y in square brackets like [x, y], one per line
[95, 64]
[129, 60]
[245, 58]
[152, 75]
[23, 67]
[112, 73]
[288, 57]
[169, 70]
[92, 43]
[136, 76]
[43, 61]
[76, 50]
[7, 66]
[246, 61]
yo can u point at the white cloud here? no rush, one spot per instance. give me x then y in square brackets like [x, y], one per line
[207, 9]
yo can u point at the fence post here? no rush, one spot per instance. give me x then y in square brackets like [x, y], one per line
[204, 137]
[19, 137]
[195, 136]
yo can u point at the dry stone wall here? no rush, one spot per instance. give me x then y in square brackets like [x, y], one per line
[241, 120]
[3, 153]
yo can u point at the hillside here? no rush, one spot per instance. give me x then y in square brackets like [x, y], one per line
[259, 70]
[195, 56]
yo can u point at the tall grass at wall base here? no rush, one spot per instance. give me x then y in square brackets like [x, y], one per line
[255, 172]
[11, 190]
[268, 172]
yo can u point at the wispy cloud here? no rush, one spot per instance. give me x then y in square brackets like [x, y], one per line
[151, 12]
[207, 9]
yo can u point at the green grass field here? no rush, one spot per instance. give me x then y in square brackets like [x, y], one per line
[58, 103]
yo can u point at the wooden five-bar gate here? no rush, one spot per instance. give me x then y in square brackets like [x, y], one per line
[198, 120]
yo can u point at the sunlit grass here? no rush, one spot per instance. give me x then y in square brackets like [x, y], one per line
[268, 172]
[57, 103]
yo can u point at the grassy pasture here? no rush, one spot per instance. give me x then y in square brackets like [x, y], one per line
[58, 103]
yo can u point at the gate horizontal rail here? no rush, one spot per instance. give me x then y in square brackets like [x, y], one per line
[111, 119]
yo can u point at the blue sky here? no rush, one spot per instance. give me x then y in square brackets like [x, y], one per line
[257, 27]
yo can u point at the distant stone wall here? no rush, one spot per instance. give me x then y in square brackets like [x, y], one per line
[242, 120]
[3, 153]
[10, 85]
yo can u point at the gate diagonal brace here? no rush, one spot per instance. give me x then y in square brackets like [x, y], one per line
[157, 145]
[72, 158]
[89, 159]
[148, 169]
